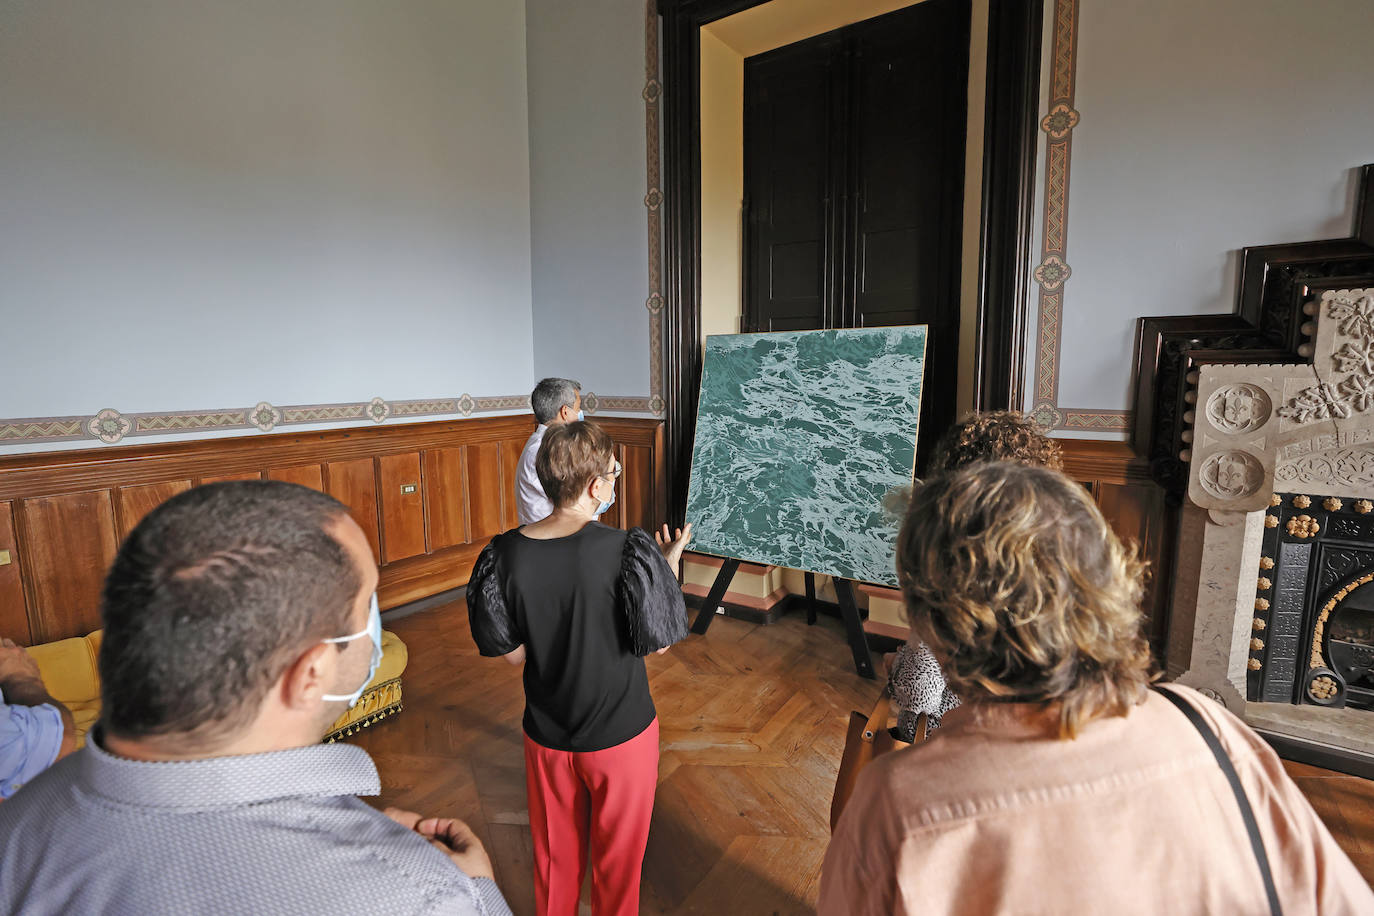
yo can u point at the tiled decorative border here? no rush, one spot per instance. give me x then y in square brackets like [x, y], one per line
[110, 426]
[653, 201]
[1053, 271]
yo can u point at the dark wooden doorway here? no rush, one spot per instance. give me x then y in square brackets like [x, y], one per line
[1010, 134]
[854, 180]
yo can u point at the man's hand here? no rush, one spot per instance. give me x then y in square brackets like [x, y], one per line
[451, 837]
[22, 684]
[16, 664]
[672, 545]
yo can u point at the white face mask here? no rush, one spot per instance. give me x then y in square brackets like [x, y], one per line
[373, 629]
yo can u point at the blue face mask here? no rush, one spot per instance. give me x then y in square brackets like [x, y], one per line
[581, 416]
[604, 505]
[373, 629]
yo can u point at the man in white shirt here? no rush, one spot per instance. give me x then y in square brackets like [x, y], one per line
[554, 401]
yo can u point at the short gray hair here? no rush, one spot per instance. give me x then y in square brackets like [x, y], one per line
[551, 395]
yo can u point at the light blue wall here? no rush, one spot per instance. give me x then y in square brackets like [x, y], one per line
[204, 204]
[1206, 127]
[588, 224]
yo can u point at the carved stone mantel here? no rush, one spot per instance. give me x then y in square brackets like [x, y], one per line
[1289, 427]
[1258, 429]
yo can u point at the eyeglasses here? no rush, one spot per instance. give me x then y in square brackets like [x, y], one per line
[613, 476]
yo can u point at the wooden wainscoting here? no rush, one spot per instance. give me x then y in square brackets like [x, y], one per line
[1138, 510]
[427, 495]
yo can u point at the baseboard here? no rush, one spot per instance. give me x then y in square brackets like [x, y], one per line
[741, 612]
[1314, 753]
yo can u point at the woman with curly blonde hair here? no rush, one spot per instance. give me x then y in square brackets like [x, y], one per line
[914, 681]
[1063, 784]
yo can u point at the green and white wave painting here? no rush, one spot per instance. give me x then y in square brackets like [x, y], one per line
[799, 438]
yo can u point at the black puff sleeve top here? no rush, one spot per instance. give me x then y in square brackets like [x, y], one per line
[587, 608]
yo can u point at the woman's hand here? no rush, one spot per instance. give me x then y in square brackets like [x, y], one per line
[672, 545]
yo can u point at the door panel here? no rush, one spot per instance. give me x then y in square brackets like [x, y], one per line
[135, 502]
[71, 542]
[854, 179]
[14, 618]
[307, 475]
[787, 178]
[354, 483]
[484, 491]
[403, 506]
[446, 497]
[510, 463]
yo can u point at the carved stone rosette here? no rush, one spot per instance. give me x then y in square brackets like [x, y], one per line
[1262, 428]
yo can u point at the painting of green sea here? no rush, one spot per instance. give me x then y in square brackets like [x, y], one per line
[800, 436]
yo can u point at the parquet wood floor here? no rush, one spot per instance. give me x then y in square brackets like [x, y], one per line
[753, 722]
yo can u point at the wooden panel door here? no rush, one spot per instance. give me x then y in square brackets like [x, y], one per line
[71, 541]
[636, 496]
[486, 503]
[1140, 513]
[403, 506]
[354, 483]
[789, 190]
[510, 463]
[446, 497]
[245, 475]
[910, 77]
[132, 503]
[14, 617]
[307, 475]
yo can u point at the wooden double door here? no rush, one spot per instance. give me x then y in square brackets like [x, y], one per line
[854, 185]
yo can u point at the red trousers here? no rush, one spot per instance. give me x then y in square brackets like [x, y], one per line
[594, 801]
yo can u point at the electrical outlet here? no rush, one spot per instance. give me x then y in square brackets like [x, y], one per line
[4, 558]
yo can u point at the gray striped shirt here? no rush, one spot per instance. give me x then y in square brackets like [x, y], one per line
[265, 833]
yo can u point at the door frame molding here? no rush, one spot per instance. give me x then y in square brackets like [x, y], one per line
[1004, 243]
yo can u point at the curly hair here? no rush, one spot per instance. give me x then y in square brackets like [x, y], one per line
[1015, 581]
[999, 435]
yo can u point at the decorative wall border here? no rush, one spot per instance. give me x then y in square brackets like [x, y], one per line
[653, 202]
[110, 426]
[1053, 271]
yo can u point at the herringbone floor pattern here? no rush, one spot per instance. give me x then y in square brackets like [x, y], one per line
[753, 722]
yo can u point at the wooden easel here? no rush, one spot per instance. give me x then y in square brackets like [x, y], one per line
[844, 590]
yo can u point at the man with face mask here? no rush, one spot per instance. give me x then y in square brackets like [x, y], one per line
[240, 621]
[555, 401]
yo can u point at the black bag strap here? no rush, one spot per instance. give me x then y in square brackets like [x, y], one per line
[1246, 812]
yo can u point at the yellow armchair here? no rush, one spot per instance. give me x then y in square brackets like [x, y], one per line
[72, 677]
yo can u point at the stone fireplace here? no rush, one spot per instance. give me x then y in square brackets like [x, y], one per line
[1274, 592]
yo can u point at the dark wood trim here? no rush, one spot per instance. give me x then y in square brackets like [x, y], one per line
[1014, 36]
[1139, 511]
[681, 165]
[74, 471]
[58, 556]
[50, 473]
[1010, 143]
[1103, 460]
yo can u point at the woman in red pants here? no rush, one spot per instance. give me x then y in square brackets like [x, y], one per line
[580, 604]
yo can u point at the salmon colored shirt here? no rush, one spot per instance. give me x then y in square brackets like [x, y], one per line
[995, 814]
